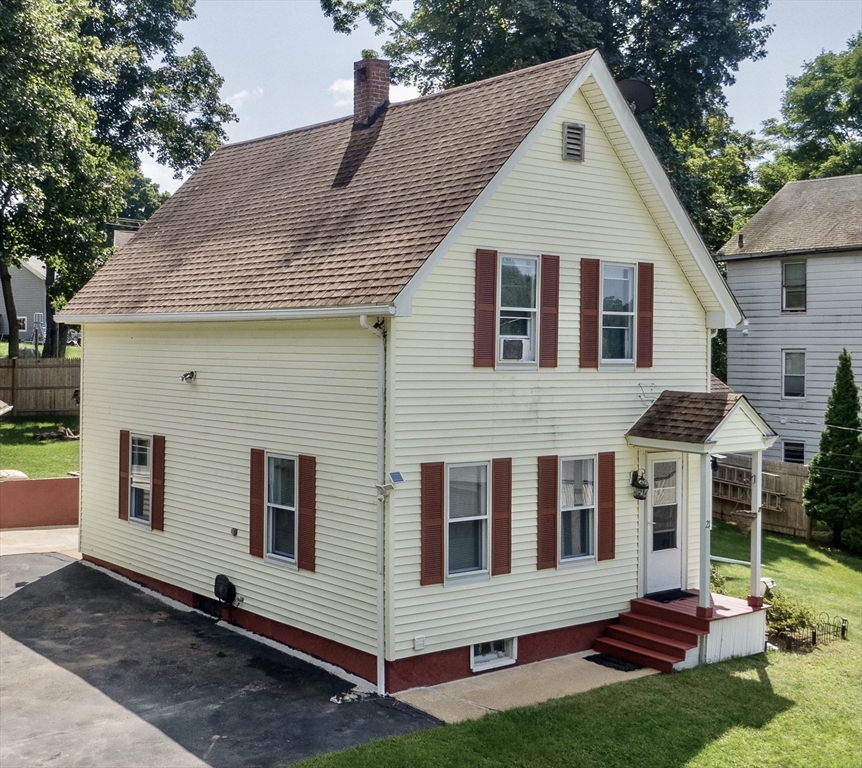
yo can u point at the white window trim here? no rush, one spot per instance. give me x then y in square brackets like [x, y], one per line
[499, 363]
[481, 574]
[134, 519]
[270, 556]
[611, 364]
[482, 666]
[784, 353]
[784, 308]
[577, 560]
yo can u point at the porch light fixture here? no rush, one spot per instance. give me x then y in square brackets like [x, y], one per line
[639, 485]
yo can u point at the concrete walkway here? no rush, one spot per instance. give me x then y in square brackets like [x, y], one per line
[522, 686]
[30, 541]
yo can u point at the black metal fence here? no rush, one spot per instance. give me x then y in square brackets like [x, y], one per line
[822, 632]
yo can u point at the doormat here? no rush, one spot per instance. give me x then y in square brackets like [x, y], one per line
[669, 596]
[613, 663]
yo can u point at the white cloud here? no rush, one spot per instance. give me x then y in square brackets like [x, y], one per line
[238, 99]
[342, 90]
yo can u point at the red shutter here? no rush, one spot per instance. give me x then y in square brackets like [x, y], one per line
[607, 488]
[590, 292]
[548, 495]
[432, 523]
[549, 312]
[645, 314]
[123, 500]
[257, 502]
[157, 499]
[501, 516]
[485, 339]
[307, 512]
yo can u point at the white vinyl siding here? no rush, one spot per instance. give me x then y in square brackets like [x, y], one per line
[291, 388]
[441, 408]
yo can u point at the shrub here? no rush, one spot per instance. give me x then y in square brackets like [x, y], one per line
[852, 539]
[787, 614]
[717, 581]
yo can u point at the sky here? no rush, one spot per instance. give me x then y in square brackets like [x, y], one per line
[284, 67]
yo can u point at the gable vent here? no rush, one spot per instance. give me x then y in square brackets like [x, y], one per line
[573, 141]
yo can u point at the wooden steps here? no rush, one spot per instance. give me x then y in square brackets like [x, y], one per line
[653, 635]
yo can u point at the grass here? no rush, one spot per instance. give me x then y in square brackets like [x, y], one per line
[768, 711]
[72, 353]
[48, 458]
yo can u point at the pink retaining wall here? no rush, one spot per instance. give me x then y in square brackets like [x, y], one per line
[32, 503]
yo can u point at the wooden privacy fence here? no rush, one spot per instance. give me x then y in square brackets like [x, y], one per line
[783, 511]
[36, 386]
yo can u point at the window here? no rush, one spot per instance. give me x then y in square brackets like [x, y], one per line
[793, 286]
[618, 313]
[518, 309]
[492, 654]
[794, 453]
[577, 508]
[140, 479]
[22, 324]
[281, 507]
[793, 374]
[467, 519]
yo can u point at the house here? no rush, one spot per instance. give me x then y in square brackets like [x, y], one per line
[796, 270]
[28, 289]
[379, 374]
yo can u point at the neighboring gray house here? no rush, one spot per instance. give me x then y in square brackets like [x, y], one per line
[28, 288]
[796, 270]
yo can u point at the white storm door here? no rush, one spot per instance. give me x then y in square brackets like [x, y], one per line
[665, 540]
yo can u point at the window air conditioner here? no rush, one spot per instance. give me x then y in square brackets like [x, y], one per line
[514, 349]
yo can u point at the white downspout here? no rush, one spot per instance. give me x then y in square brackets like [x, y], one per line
[381, 498]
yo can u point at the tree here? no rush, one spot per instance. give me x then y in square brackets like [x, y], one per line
[688, 50]
[821, 131]
[85, 86]
[833, 492]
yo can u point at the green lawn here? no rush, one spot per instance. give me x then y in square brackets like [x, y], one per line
[50, 458]
[71, 352]
[778, 710]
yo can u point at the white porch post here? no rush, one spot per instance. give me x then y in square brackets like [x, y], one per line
[704, 607]
[754, 598]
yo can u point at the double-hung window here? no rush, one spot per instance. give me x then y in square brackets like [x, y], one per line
[793, 374]
[793, 286]
[577, 508]
[467, 519]
[140, 478]
[281, 507]
[518, 309]
[618, 313]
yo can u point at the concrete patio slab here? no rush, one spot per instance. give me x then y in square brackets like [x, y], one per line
[26, 541]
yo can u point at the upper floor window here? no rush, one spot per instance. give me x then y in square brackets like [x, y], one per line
[518, 309]
[793, 286]
[577, 508]
[618, 313]
[793, 374]
[140, 478]
[467, 519]
[281, 506]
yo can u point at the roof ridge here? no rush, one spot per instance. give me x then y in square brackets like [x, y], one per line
[824, 178]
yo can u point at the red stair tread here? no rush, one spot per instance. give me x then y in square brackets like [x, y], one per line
[636, 653]
[661, 627]
[649, 640]
[659, 610]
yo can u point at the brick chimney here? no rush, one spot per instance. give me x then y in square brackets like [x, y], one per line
[370, 91]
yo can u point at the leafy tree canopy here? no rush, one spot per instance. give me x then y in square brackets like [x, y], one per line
[821, 131]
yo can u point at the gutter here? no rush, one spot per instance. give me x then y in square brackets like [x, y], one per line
[795, 252]
[382, 491]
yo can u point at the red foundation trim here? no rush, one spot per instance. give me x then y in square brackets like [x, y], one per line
[755, 601]
[357, 662]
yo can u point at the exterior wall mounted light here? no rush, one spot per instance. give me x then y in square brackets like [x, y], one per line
[639, 485]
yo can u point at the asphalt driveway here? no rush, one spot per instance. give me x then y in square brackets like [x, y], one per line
[94, 672]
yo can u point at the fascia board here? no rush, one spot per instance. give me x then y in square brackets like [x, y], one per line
[405, 297]
[668, 445]
[312, 313]
[675, 209]
[32, 270]
[768, 434]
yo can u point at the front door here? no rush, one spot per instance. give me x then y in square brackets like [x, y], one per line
[665, 540]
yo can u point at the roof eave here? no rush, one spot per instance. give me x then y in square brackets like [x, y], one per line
[793, 252]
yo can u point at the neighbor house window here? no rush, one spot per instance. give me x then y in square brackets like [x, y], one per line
[618, 313]
[794, 453]
[793, 375]
[518, 309]
[793, 286]
[577, 508]
[467, 519]
[140, 479]
[493, 653]
[281, 507]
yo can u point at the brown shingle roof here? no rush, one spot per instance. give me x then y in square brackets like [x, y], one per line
[684, 417]
[325, 216]
[818, 214]
[717, 385]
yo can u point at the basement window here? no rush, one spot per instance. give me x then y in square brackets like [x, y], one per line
[493, 653]
[573, 142]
